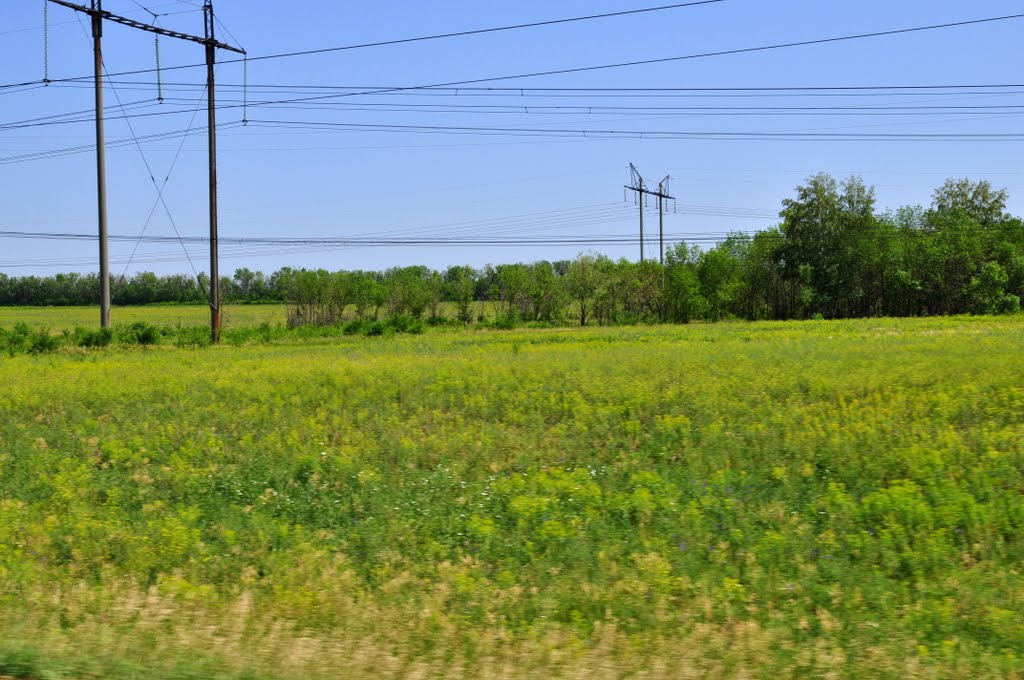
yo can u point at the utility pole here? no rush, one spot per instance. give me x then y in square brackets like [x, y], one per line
[101, 165]
[662, 194]
[641, 202]
[98, 14]
[637, 184]
[211, 116]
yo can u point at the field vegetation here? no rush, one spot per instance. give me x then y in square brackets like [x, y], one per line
[164, 315]
[740, 500]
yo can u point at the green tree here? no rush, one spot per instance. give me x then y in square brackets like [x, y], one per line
[459, 287]
[514, 289]
[717, 274]
[683, 300]
[830, 231]
[411, 290]
[987, 291]
[546, 295]
[581, 284]
[977, 200]
[368, 292]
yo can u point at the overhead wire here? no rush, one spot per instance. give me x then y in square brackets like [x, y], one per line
[640, 134]
[492, 241]
[598, 67]
[645, 62]
[481, 31]
[149, 171]
[526, 91]
[473, 129]
[71, 21]
[86, 116]
[85, 148]
[436, 36]
[160, 191]
[545, 220]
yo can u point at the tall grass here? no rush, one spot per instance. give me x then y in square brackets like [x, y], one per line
[819, 499]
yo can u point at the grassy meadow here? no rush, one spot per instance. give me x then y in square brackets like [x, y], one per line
[162, 315]
[748, 500]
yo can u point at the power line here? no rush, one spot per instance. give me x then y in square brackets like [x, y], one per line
[86, 148]
[66, 23]
[582, 69]
[642, 134]
[145, 161]
[632, 90]
[160, 195]
[481, 31]
[81, 117]
[525, 94]
[435, 36]
[548, 133]
[576, 239]
[703, 55]
[430, 235]
[276, 246]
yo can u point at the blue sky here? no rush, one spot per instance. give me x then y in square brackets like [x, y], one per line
[317, 181]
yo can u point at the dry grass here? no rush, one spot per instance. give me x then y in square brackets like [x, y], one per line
[175, 637]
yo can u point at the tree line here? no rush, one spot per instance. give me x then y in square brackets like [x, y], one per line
[832, 255]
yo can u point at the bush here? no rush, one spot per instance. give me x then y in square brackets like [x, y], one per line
[506, 322]
[141, 333]
[16, 341]
[99, 337]
[404, 323]
[356, 327]
[400, 323]
[266, 331]
[192, 336]
[441, 320]
[41, 342]
[379, 328]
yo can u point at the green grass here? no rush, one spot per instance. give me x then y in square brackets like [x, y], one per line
[67, 317]
[817, 499]
[233, 316]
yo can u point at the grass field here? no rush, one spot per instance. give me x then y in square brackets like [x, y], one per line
[816, 499]
[58, 318]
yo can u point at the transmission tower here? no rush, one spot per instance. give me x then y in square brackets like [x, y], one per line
[637, 184]
[98, 15]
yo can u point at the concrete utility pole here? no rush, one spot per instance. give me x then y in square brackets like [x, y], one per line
[637, 184]
[98, 14]
[101, 165]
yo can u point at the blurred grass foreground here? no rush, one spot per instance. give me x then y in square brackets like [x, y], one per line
[756, 500]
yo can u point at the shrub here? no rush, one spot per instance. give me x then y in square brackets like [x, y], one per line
[404, 323]
[355, 327]
[506, 322]
[16, 341]
[379, 328]
[41, 342]
[98, 337]
[441, 320]
[192, 336]
[141, 333]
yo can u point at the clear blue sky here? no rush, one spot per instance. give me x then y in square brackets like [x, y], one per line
[278, 181]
